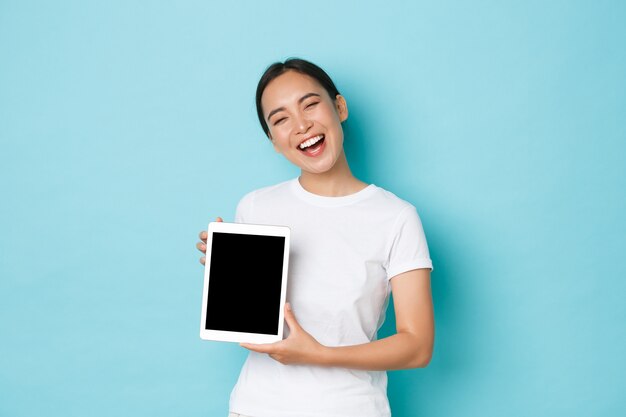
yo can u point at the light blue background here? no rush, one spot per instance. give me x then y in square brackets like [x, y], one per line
[126, 127]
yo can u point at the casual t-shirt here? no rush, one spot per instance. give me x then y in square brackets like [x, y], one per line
[344, 251]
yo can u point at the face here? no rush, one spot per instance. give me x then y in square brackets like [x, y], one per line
[304, 122]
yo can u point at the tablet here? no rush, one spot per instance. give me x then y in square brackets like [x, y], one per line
[245, 282]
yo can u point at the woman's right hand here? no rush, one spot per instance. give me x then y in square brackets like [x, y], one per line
[202, 245]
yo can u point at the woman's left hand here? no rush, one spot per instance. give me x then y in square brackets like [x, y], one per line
[298, 348]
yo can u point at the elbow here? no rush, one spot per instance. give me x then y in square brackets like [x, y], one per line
[421, 360]
[422, 355]
[422, 352]
[425, 360]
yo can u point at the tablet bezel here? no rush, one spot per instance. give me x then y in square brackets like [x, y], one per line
[249, 229]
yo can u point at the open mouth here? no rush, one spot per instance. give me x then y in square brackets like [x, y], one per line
[311, 145]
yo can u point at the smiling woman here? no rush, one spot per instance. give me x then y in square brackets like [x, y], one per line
[352, 245]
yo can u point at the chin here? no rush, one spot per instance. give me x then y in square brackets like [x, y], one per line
[318, 169]
[325, 164]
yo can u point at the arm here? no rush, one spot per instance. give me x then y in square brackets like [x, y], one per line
[410, 347]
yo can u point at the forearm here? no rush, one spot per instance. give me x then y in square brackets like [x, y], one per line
[410, 347]
[400, 351]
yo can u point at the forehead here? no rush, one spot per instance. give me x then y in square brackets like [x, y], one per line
[288, 88]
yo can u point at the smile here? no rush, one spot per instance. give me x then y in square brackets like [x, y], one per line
[310, 142]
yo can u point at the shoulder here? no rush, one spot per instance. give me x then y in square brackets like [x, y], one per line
[391, 202]
[261, 197]
[269, 191]
[397, 213]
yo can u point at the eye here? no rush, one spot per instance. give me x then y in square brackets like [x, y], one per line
[311, 104]
[278, 121]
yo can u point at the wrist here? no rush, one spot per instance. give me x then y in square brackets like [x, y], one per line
[324, 356]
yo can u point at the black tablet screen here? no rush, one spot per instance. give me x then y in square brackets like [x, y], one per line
[245, 279]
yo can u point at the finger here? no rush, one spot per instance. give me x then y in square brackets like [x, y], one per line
[261, 348]
[290, 318]
[203, 260]
[201, 247]
[219, 219]
[203, 236]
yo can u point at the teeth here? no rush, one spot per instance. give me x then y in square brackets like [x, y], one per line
[311, 142]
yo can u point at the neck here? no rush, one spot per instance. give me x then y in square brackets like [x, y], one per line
[336, 182]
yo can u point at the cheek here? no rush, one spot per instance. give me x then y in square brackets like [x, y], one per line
[331, 115]
[275, 133]
[281, 140]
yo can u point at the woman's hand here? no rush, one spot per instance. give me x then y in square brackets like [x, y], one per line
[298, 348]
[202, 245]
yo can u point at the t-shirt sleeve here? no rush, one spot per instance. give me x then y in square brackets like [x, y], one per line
[244, 208]
[409, 249]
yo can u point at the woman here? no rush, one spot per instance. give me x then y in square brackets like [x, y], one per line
[352, 244]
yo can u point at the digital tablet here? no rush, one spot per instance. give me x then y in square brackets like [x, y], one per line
[245, 282]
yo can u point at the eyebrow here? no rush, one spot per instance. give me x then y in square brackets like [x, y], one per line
[300, 100]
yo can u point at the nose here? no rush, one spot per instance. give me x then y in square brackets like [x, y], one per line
[303, 124]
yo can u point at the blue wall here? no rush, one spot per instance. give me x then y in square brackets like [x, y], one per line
[125, 127]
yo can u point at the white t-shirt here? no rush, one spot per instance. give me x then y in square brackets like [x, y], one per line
[344, 251]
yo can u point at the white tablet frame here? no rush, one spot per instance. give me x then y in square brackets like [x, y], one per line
[250, 229]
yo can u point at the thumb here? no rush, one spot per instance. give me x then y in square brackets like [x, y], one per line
[290, 318]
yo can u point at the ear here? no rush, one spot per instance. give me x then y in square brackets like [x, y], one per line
[342, 107]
